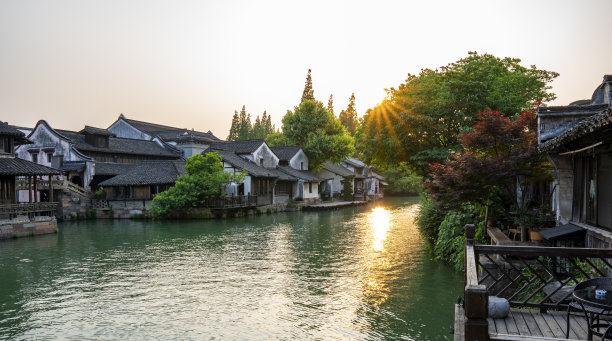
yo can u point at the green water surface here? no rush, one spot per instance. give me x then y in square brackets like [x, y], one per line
[357, 274]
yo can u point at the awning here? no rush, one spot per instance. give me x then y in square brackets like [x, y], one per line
[561, 232]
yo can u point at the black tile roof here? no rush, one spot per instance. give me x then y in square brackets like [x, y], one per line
[337, 169]
[285, 153]
[96, 131]
[148, 173]
[250, 167]
[584, 127]
[110, 168]
[300, 174]
[9, 130]
[16, 166]
[120, 146]
[172, 133]
[238, 147]
[73, 166]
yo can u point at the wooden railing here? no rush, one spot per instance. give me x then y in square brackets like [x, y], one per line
[28, 209]
[475, 295]
[22, 184]
[527, 276]
[233, 201]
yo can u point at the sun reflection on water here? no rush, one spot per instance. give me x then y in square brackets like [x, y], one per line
[380, 223]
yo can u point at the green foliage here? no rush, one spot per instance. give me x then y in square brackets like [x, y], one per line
[420, 121]
[204, 179]
[347, 188]
[242, 129]
[100, 194]
[450, 244]
[277, 139]
[330, 104]
[308, 93]
[318, 132]
[402, 180]
[429, 219]
[348, 117]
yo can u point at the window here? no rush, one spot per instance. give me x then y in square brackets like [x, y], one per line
[49, 156]
[302, 165]
[310, 187]
[35, 157]
[261, 162]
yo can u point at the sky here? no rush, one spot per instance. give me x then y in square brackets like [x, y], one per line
[190, 64]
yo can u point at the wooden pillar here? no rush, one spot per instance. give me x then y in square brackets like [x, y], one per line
[30, 188]
[476, 296]
[35, 188]
[50, 188]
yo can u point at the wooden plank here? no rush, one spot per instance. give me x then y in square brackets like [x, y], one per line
[459, 334]
[501, 337]
[471, 271]
[557, 330]
[580, 325]
[500, 325]
[534, 329]
[521, 324]
[542, 324]
[562, 321]
[511, 326]
[536, 251]
[492, 328]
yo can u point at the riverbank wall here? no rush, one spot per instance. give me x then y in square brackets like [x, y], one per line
[24, 226]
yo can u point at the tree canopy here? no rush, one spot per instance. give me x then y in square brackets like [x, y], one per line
[420, 122]
[348, 117]
[317, 131]
[204, 178]
[243, 129]
[308, 93]
[499, 154]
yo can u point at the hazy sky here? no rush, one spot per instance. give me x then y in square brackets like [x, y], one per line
[192, 63]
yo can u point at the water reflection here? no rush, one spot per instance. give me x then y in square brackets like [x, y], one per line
[356, 274]
[380, 222]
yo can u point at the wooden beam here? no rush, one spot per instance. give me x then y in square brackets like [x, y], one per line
[582, 149]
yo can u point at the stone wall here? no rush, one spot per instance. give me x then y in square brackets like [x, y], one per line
[24, 226]
[73, 207]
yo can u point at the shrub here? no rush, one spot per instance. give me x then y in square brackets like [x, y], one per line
[450, 244]
[429, 220]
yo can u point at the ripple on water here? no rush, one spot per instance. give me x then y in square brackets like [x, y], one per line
[288, 276]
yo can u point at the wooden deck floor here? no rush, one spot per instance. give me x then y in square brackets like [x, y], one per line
[529, 324]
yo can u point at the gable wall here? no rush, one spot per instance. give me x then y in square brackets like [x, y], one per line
[297, 159]
[124, 129]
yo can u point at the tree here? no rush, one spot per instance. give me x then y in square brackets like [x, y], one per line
[348, 117]
[499, 154]
[318, 132]
[245, 128]
[402, 180]
[258, 130]
[347, 188]
[330, 104]
[204, 178]
[420, 122]
[308, 93]
[234, 129]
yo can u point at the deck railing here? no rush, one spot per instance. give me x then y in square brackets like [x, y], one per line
[234, 201]
[9, 211]
[22, 184]
[528, 276]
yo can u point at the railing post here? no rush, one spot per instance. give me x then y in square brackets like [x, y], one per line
[476, 297]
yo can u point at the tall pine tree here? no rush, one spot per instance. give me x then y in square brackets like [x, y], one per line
[244, 130]
[348, 117]
[308, 93]
[330, 104]
[234, 129]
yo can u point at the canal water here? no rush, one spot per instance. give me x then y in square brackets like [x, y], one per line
[357, 273]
